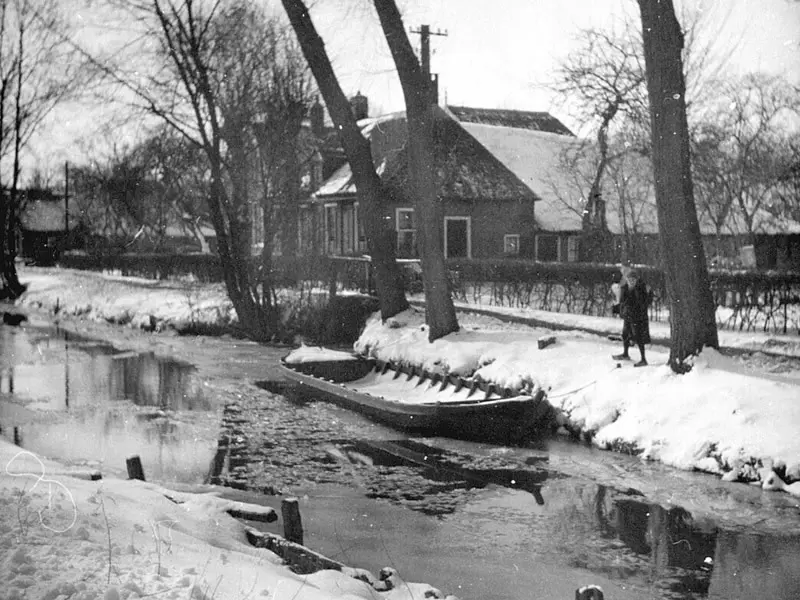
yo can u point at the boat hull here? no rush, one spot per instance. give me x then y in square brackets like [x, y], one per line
[481, 417]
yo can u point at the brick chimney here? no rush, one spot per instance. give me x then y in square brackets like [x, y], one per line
[317, 116]
[360, 106]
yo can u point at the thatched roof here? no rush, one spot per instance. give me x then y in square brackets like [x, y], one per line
[517, 119]
[463, 167]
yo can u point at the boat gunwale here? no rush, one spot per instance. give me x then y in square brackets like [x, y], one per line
[468, 403]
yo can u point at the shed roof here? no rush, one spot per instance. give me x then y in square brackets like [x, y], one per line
[44, 215]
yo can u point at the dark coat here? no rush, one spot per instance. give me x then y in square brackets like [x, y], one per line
[634, 302]
[633, 305]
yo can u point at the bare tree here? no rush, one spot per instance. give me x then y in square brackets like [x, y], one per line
[604, 78]
[388, 279]
[181, 170]
[753, 122]
[145, 192]
[439, 309]
[787, 196]
[116, 194]
[692, 310]
[710, 168]
[218, 73]
[603, 82]
[630, 180]
[39, 69]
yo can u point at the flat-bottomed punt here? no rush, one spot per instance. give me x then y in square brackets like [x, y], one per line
[413, 400]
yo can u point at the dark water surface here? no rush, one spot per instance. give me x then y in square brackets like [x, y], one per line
[480, 521]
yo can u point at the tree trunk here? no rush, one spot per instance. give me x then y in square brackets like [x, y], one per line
[380, 241]
[596, 239]
[14, 288]
[692, 315]
[440, 312]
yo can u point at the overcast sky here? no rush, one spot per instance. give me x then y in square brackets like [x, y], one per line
[497, 53]
[502, 53]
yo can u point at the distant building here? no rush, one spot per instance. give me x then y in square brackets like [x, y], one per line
[43, 226]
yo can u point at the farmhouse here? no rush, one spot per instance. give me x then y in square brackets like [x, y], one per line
[513, 185]
[489, 206]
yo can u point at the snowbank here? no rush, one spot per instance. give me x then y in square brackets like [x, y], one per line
[720, 418]
[66, 537]
[717, 418]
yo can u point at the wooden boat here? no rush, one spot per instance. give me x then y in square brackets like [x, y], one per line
[414, 400]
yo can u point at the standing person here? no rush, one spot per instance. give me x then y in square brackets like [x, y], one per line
[634, 300]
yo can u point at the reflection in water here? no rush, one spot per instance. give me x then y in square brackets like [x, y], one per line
[513, 509]
[755, 566]
[103, 405]
[142, 379]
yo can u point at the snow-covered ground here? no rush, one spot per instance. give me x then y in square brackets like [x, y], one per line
[63, 536]
[726, 416]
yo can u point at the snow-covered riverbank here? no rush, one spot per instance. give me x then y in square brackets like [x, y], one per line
[64, 536]
[736, 417]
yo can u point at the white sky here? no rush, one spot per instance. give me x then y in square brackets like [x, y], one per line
[502, 53]
[497, 53]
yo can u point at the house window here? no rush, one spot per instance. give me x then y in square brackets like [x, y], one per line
[547, 248]
[332, 230]
[572, 248]
[348, 228]
[362, 238]
[511, 243]
[406, 232]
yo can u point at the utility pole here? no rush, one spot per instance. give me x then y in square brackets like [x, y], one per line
[425, 34]
[66, 242]
[66, 196]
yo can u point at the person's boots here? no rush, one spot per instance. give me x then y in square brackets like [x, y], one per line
[623, 356]
[643, 362]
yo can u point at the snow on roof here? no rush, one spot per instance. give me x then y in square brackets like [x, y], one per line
[463, 167]
[534, 157]
[45, 215]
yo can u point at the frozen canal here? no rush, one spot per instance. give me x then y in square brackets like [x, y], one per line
[479, 521]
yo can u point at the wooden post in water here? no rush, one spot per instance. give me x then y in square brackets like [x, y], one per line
[589, 592]
[17, 436]
[135, 470]
[292, 525]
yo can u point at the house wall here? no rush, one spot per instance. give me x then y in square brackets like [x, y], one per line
[491, 221]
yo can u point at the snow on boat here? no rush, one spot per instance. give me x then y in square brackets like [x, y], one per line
[412, 399]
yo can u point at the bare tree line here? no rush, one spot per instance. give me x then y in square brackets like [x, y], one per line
[744, 139]
[230, 86]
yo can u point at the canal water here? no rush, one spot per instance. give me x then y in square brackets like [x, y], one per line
[89, 404]
[480, 521]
